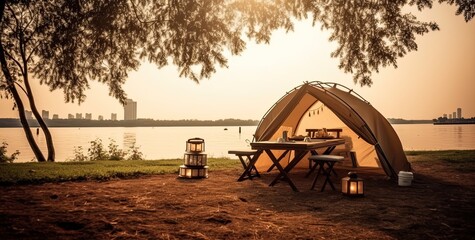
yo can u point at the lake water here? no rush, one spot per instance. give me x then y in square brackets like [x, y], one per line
[170, 142]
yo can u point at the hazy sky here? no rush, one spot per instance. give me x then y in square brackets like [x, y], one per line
[436, 79]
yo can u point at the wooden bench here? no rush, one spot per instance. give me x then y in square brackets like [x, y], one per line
[245, 157]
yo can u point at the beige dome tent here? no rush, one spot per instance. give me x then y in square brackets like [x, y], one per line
[331, 105]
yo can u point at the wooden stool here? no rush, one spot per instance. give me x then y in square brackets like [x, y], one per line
[245, 162]
[321, 160]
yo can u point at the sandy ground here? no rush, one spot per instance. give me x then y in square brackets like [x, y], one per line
[440, 204]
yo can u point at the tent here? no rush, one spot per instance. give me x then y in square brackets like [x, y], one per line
[330, 105]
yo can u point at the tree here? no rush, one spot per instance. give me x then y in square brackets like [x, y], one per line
[67, 43]
[64, 44]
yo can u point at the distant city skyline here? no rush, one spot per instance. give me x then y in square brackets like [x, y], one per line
[130, 113]
[88, 116]
[454, 115]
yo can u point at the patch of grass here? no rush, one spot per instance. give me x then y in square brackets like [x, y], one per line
[462, 160]
[33, 173]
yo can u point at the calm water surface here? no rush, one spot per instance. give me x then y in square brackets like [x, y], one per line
[170, 142]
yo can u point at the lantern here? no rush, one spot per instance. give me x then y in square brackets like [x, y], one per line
[352, 185]
[195, 160]
[193, 172]
[195, 145]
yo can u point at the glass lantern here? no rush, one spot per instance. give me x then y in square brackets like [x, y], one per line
[193, 172]
[195, 145]
[196, 159]
[352, 185]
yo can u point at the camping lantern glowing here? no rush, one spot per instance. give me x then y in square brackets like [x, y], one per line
[195, 160]
[352, 185]
[193, 172]
[195, 145]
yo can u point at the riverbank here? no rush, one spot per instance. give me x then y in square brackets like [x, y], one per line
[439, 204]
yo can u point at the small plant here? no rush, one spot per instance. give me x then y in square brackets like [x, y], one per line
[79, 156]
[114, 152]
[135, 153]
[96, 151]
[3, 154]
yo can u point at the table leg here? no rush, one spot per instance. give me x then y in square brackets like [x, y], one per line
[278, 160]
[298, 156]
[282, 171]
[249, 167]
[244, 165]
[329, 150]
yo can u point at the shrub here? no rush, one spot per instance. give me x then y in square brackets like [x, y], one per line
[114, 152]
[135, 154]
[3, 154]
[96, 151]
[79, 156]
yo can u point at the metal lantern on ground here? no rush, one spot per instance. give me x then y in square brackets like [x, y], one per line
[195, 145]
[352, 185]
[193, 172]
[195, 160]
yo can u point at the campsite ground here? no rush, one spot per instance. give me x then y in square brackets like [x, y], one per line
[440, 204]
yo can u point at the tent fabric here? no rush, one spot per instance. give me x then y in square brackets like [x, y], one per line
[330, 105]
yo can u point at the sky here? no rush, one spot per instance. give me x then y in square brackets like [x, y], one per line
[436, 79]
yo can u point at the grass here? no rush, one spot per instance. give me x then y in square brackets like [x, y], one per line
[33, 173]
[462, 160]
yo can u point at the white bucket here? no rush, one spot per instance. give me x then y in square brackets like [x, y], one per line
[405, 178]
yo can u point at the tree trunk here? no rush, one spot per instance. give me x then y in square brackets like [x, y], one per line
[21, 109]
[39, 118]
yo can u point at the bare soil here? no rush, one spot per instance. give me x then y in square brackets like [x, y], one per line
[440, 204]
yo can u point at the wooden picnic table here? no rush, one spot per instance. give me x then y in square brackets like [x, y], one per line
[300, 148]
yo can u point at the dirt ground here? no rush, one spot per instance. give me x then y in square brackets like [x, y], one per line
[440, 204]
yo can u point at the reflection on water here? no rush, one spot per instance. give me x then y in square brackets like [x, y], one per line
[169, 142]
[130, 138]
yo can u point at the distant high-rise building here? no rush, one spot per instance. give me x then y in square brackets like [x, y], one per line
[454, 115]
[45, 114]
[450, 116]
[78, 115]
[114, 116]
[70, 116]
[100, 117]
[459, 112]
[55, 116]
[445, 115]
[28, 114]
[130, 110]
[89, 116]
